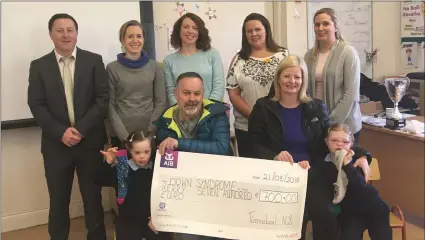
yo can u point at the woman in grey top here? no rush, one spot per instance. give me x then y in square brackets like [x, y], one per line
[334, 71]
[334, 75]
[137, 88]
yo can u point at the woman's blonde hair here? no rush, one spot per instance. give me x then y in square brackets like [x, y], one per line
[123, 30]
[338, 35]
[292, 61]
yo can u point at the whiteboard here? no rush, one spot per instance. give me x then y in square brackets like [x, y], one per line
[355, 20]
[97, 34]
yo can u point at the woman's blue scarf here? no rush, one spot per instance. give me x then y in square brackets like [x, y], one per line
[142, 61]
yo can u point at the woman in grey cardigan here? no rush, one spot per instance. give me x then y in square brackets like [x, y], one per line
[137, 88]
[334, 76]
[334, 71]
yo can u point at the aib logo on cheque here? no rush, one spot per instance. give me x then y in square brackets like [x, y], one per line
[169, 159]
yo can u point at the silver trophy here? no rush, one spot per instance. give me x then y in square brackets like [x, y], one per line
[396, 88]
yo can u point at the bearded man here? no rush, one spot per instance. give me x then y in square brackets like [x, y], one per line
[194, 124]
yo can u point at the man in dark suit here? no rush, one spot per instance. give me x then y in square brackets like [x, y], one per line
[68, 96]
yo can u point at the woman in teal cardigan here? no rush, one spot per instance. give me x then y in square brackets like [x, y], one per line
[194, 54]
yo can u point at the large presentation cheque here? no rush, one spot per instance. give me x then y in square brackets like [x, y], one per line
[228, 197]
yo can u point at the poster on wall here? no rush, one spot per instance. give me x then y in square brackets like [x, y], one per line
[412, 20]
[409, 55]
[421, 55]
[170, 47]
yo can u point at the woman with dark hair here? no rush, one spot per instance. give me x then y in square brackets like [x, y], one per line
[194, 54]
[251, 74]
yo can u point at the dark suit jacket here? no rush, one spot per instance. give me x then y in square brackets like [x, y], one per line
[46, 99]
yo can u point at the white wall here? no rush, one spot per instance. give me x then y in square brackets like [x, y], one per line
[25, 37]
[296, 38]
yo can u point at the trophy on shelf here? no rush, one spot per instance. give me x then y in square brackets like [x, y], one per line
[396, 88]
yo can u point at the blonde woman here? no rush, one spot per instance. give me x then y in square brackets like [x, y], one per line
[334, 71]
[137, 87]
[292, 127]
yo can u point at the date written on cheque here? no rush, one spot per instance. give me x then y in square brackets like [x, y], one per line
[175, 225]
[278, 197]
[286, 177]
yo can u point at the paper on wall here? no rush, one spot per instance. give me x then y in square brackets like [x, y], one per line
[409, 55]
